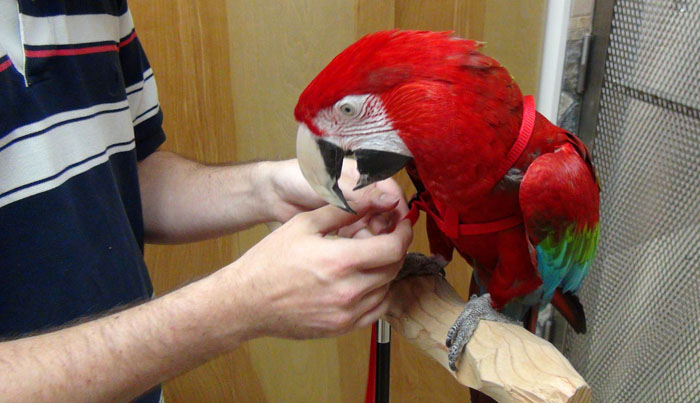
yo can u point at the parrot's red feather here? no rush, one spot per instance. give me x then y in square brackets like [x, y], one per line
[380, 61]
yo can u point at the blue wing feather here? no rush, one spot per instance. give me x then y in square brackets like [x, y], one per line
[559, 200]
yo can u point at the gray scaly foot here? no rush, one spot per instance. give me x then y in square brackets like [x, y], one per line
[478, 308]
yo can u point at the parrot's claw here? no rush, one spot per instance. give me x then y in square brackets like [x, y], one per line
[417, 264]
[478, 308]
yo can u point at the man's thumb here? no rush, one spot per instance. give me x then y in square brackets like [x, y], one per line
[331, 218]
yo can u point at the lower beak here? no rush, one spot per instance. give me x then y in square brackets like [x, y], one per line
[321, 163]
[376, 165]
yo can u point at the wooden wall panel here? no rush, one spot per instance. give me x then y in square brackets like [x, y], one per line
[513, 32]
[229, 74]
[184, 44]
[374, 15]
[277, 47]
[434, 15]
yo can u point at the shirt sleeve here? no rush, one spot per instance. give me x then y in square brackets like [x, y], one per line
[141, 90]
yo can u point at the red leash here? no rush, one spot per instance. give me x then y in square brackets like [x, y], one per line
[371, 390]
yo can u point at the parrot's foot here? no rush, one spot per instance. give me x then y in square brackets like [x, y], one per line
[478, 308]
[417, 264]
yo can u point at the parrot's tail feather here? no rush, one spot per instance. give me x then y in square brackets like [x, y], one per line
[474, 286]
[479, 397]
[570, 307]
[530, 319]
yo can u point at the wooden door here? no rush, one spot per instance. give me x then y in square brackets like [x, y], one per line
[229, 73]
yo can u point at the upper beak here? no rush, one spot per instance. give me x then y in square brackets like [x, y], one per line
[321, 163]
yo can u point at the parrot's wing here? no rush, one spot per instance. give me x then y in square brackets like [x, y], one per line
[559, 201]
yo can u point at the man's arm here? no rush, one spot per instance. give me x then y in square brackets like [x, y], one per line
[295, 283]
[118, 357]
[186, 201]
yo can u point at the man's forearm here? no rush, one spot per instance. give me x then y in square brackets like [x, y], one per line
[120, 356]
[187, 201]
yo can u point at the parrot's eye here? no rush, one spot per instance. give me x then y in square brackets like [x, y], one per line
[348, 109]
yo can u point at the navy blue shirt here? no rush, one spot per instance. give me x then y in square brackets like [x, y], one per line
[78, 109]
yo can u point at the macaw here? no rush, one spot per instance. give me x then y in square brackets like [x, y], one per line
[514, 194]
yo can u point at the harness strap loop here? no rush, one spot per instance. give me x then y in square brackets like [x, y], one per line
[450, 224]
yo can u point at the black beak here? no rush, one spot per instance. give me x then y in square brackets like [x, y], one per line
[375, 165]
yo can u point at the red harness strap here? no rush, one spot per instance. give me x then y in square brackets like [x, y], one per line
[447, 218]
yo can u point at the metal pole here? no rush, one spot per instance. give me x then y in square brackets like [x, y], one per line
[383, 361]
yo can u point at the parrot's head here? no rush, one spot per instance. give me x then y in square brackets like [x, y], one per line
[380, 99]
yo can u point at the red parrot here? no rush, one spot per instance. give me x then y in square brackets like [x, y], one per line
[516, 195]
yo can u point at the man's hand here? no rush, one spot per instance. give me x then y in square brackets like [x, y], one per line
[291, 194]
[303, 283]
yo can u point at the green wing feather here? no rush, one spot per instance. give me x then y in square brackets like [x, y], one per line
[559, 200]
[563, 260]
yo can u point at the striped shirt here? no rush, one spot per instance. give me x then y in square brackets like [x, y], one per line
[78, 109]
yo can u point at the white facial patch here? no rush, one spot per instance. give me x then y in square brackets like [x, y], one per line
[360, 122]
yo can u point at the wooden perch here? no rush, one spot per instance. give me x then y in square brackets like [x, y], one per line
[504, 361]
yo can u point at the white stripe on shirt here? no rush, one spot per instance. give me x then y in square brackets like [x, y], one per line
[75, 29]
[50, 153]
[58, 118]
[138, 85]
[144, 100]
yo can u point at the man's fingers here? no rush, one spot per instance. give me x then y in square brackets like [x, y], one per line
[376, 251]
[380, 276]
[373, 314]
[362, 233]
[331, 218]
[370, 300]
[351, 231]
[373, 223]
[382, 197]
[384, 222]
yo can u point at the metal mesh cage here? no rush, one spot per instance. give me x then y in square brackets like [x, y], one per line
[642, 296]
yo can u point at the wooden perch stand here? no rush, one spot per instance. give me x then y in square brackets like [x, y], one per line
[503, 361]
